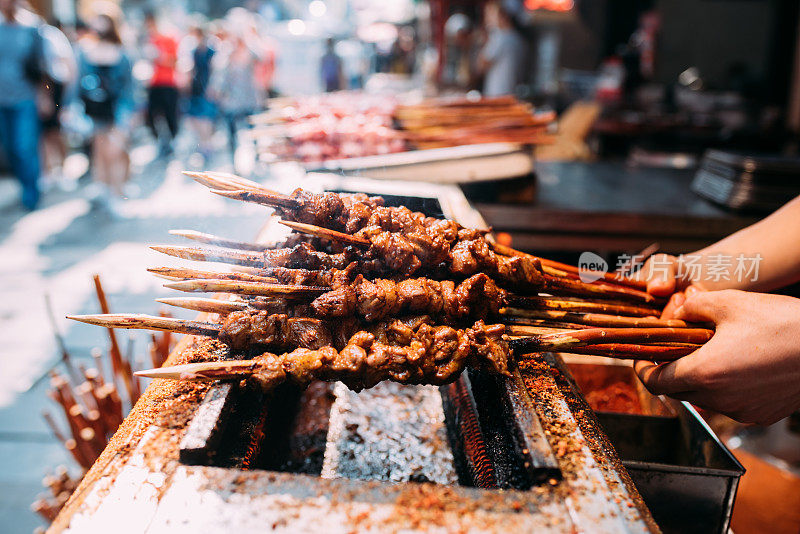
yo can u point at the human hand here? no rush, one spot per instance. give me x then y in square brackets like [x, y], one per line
[661, 271]
[749, 370]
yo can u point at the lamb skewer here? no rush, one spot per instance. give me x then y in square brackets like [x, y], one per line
[560, 283]
[326, 209]
[556, 268]
[477, 297]
[513, 271]
[359, 364]
[546, 318]
[244, 330]
[297, 256]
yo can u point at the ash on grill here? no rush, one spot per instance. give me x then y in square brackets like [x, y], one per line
[390, 432]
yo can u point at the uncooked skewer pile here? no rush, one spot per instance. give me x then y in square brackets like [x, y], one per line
[363, 292]
[93, 406]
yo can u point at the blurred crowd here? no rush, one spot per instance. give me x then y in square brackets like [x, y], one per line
[103, 79]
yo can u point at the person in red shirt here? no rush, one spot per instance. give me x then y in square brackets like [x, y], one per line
[162, 97]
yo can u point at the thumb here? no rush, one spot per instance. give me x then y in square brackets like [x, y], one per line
[702, 306]
[661, 273]
[674, 303]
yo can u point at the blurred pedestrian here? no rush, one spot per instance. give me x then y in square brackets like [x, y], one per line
[62, 72]
[105, 87]
[202, 111]
[162, 96]
[265, 68]
[502, 59]
[234, 86]
[330, 69]
[461, 53]
[22, 71]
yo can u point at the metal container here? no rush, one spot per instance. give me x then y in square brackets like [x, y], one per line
[686, 476]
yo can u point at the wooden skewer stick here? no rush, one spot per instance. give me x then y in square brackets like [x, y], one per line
[625, 351]
[182, 273]
[577, 287]
[559, 269]
[205, 304]
[240, 257]
[211, 239]
[148, 322]
[97, 356]
[164, 341]
[598, 319]
[224, 180]
[563, 342]
[248, 288]
[333, 235]
[236, 369]
[117, 364]
[274, 200]
[128, 362]
[77, 453]
[626, 270]
[522, 305]
[203, 371]
[54, 428]
[62, 346]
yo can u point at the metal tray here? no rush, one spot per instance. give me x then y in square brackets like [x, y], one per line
[685, 475]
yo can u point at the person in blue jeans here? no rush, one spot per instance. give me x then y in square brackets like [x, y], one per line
[21, 69]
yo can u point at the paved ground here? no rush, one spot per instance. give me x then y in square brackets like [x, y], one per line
[55, 250]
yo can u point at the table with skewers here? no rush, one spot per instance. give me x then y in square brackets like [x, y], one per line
[467, 419]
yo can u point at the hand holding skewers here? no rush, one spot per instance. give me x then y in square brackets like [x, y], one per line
[339, 302]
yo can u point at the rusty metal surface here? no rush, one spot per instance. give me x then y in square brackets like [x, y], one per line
[540, 462]
[205, 430]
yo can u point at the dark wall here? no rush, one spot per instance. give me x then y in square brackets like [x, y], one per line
[596, 29]
[583, 36]
[715, 36]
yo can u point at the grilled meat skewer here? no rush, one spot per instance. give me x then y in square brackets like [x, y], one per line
[477, 297]
[416, 353]
[353, 212]
[245, 330]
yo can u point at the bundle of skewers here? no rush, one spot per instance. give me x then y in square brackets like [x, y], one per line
[350, 125]
[60, 485]
[94, 401]
[363, 292]
[441, 123]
